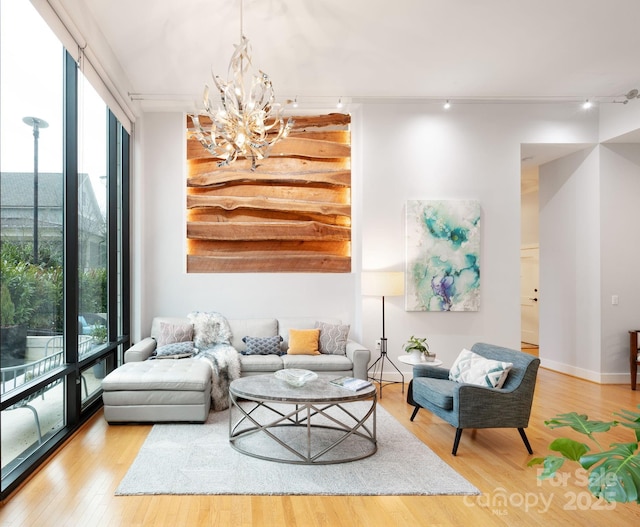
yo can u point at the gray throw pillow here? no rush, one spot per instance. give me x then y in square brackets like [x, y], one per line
[333, 338]
[262, 345]
[175, 348]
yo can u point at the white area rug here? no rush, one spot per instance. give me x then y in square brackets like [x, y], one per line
[198, 459]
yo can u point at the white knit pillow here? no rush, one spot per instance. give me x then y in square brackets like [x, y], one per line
[472, 368]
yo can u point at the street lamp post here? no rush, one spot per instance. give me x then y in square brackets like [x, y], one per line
[36, 124]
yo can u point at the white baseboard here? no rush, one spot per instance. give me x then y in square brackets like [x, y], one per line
[589, 375]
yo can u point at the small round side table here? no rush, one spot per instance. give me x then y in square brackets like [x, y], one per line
[408, 359]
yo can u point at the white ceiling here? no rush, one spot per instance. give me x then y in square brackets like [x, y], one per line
[531, 49]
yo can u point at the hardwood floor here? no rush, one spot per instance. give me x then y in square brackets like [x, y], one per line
[77, 486]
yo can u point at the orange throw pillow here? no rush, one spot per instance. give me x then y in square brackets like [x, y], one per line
[303, 342]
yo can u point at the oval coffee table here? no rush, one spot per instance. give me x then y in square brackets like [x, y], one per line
[315, 424]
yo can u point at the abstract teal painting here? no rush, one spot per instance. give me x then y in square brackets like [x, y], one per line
[443, 255]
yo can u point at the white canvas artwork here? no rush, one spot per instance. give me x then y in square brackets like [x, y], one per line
[443, 255]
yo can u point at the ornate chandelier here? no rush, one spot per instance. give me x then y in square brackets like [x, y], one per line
[247, 123]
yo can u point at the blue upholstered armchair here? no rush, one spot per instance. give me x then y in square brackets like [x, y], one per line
[470, 406]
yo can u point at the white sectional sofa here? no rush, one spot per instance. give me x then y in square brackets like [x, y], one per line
[353, 363]
[144, 390]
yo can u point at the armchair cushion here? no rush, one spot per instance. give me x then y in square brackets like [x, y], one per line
[472, 368]
[437, 391]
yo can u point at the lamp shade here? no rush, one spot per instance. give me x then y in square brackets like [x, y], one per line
[382, 283]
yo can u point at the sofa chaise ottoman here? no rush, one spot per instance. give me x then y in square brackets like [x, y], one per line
[158, 391]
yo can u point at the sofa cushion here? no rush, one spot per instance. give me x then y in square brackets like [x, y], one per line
[209, 329]
[262, 345]
[303, 342]
[254, 327]
[472, 368]
[317, 363]
[436, 391]
[260, 363]
[171, 375]
[333, 338]
[172, 333]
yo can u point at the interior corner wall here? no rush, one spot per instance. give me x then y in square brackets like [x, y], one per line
[160, 276]
[570, 269]
[620, 223]
[472, 151]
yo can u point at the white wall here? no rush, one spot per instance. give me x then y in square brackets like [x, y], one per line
[401, 151]
[588, 217]
[620, 224]
[530, 215]
[570, 264]
[415, 151]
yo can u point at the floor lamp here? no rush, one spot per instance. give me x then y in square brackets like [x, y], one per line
[381, 283]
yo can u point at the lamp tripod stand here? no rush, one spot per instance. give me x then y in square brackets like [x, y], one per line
[373, 373]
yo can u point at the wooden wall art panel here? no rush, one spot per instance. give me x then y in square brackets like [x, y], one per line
[292, 214]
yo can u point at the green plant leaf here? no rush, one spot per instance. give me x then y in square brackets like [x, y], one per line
[614, 474]
[569, 448]
[535, 461]
[580, 423]
[551, 464]
[630, 420]
[617, 478]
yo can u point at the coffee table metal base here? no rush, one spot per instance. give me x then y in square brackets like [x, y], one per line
[342, 424]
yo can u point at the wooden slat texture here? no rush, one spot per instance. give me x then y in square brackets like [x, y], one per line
[299, 121]
[222, 247]
[260, 203]
[310, 230]
[290, 146]
[328, 194]
[340, 178]
[291, 214]
[301, 263]
[248, 215]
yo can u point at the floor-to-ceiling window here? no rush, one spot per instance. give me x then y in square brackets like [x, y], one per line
[64, 274]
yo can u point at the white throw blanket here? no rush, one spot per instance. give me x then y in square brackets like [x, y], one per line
[225, 367]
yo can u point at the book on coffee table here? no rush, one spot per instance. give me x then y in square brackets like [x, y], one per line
[351, 383]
